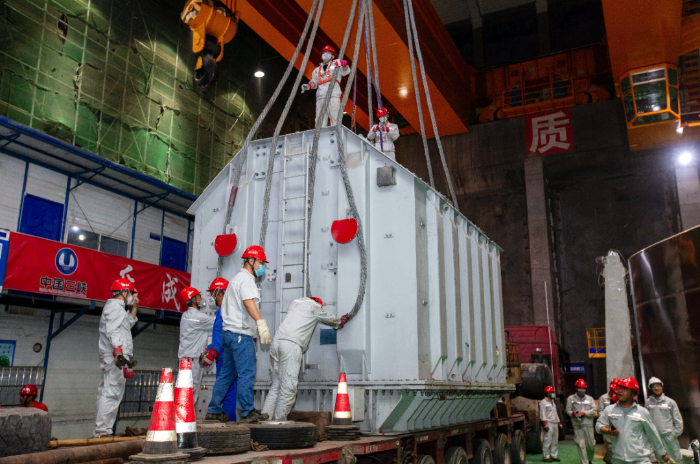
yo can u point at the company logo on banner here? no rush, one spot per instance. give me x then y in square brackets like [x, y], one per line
[38, 265]
[548, 133]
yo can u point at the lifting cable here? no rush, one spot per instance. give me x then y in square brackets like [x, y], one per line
[411, 25]
[244, 151]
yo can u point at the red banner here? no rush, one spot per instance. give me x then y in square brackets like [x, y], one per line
[38, 265]
[547, 133]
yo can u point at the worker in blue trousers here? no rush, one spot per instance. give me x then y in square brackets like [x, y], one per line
[217, 290]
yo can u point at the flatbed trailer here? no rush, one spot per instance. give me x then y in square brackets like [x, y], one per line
[401, 449]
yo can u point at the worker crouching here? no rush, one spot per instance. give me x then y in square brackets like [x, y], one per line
[286, 353]
[581, 408]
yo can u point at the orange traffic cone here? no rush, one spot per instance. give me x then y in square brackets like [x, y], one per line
[185, 419]
[161, 440]
[341, 413]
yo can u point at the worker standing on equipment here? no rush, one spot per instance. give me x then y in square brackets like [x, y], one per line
[194, 330]
[384, 134]
[550, 425]
[240, 317]
[217, 290]
[667, 418]
[286, 353]
[27, 398]
[630, 425]
[116, 353]
[321, 81]
[581, 408]
[604, 401]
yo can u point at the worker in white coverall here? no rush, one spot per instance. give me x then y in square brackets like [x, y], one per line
[632, 430]
[667, 418]
[581, 408]
[195, 327]
[605, 400]
[384, 134]
[290, 343]
[321, 81]
[550, 425]
[116, 353]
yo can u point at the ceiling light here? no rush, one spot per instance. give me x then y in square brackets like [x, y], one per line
[259, 74]
[75, 229]
[81, 237]
[685, 158]
[403, 91]
[679, 129]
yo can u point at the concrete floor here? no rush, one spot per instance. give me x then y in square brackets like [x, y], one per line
[568, 453]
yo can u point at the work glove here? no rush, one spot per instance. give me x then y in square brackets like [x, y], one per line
[119, 358]
[305, 87]
[128, 373]
[385, 128]
[375, 129]
[207, 358]
[344, 63]
[343, 321]
[263, 332]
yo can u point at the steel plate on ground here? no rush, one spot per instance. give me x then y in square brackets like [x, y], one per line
[285, 435]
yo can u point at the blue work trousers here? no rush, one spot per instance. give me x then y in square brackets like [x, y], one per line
[229, 404]
[238, 363]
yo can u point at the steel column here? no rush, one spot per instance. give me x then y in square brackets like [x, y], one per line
[24, 189]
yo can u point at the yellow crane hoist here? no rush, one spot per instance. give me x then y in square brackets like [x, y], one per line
[214, 24]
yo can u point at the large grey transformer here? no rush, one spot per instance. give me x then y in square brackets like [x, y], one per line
[427, 347]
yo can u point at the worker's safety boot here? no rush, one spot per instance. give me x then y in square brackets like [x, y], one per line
[221, 417]
[254, 416]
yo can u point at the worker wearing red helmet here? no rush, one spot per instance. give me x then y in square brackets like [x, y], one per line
[321, 81]
[581, 408]
[605, 400]
[384, 134]
[195, 326]
[286, 352]
[27, 398]
[550, 425]
[242, 323]
[631, 427]
[116, 352]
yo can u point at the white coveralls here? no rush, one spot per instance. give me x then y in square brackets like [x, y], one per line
[321, 77]
[195, 327]
[291, 342]
[548, 414]
[387, 139]
[637, 434]
[583, 426]
[603, 402]
[115, 332]
[668, 422]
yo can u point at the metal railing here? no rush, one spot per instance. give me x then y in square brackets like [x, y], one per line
[555, 89]
[12, 379]
[140, 394]
[513, 354]
[596, 342]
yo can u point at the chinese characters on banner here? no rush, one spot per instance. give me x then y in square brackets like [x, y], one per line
[548, 133]
[38, 265]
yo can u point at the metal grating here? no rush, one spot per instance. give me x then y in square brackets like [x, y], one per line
[140, 394]
[12, 379]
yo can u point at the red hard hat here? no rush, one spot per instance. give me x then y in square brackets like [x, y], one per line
[123, 284]
[328, 48]
[317, 300]
[549, 389]
[188, 293]
[631, 383]
[28, 390]
[219, 283]
[255, 251]
[382, 112]
[615, 384]
[580, 383]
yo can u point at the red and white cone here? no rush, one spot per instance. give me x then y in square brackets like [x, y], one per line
[341, 413]
[185, 419]
[161, 440]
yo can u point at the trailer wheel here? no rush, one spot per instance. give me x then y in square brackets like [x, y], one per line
[284, 435]
[424, 459]
[534, 439]
[223, 437]
[482, 452]
[24, 430]
[456, 455]
[518, 452]
[501, 449]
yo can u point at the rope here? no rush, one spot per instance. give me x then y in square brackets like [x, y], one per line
[430, 105]
[283, 117]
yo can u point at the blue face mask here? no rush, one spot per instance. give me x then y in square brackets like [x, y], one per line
[260, 271]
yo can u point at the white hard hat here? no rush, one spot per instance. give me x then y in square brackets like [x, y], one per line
[654, 380]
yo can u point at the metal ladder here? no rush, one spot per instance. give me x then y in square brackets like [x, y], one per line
[287, 158]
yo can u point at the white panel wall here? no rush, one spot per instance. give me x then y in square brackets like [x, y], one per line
[145, 248]
[46, 184]
[107, 213]
[11, 179]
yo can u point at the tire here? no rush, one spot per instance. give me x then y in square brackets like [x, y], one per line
[223, 438]
[482, 452]
[501, 449]
[518, 450]
[424, 459]
[456, 455]
[535, 377]
[533, 440]
[292, 435]
[24, 430]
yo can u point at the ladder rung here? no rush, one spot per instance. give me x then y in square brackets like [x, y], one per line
[294, 198]
[292, 264]
[292, 243]
[294, 220]
[292, 177]
[290, 288]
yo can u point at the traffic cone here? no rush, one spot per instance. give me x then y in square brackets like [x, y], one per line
[161, 440]
[341, 413]
[185, 420]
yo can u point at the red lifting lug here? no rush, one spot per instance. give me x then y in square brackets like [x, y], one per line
[225, 244]
[344, 230]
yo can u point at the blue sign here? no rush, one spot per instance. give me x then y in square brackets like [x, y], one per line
[577, 368]
[66, 261]
[7, 352]
[4, 250]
